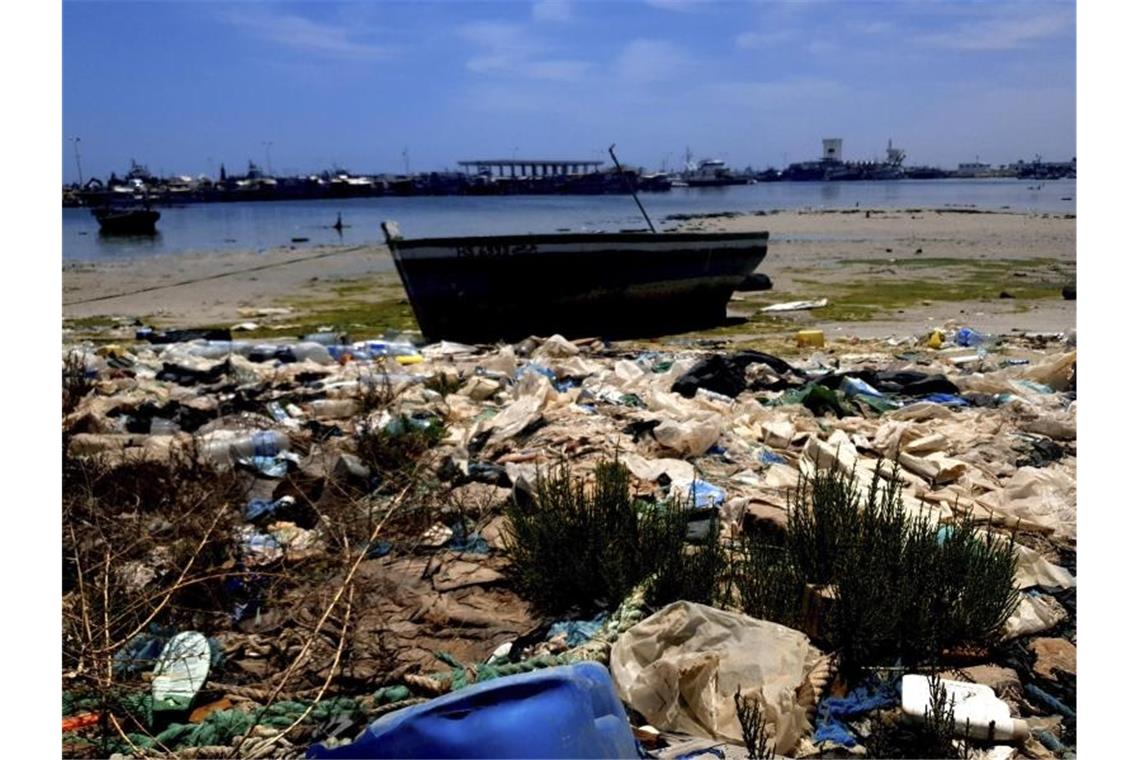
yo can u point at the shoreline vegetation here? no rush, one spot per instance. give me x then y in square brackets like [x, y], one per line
[883, 272]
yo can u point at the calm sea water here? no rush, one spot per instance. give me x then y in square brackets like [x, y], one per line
[264, 225]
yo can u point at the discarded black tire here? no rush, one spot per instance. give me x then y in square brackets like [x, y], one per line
[1069, 292]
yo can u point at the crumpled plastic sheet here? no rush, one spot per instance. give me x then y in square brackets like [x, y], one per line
[691, 438]
[681, 666]
[1035, 570]
[1045, 496]
[651, 470]
[1035, 613]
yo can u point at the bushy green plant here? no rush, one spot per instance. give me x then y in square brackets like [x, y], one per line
[769, 583]
[904, 587]
[683, 570]
[574, 545]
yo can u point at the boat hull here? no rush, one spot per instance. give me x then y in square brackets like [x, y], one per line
[139, 222]
[619, 285]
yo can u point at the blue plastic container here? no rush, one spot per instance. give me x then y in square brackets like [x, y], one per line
[566, 712]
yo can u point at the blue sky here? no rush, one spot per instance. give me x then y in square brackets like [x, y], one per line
[184, 86]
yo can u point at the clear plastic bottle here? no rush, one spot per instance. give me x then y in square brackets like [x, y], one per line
[225, 447]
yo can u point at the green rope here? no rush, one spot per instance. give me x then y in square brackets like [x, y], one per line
[221, 726]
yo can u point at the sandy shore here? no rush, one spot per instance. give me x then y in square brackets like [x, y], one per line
[915, 268]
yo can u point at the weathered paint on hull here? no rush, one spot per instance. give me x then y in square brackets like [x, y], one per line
[503, 288]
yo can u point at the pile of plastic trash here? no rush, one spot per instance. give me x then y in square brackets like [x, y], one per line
[981, 426]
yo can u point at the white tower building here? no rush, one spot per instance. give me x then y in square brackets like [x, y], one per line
[832, 149]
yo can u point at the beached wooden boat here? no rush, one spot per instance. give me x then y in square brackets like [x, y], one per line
[610, 284]
[126, 221]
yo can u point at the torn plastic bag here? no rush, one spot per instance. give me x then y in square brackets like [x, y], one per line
[689, 438]
[1035, 613]
[702, 495]
[651, 470]
[681, 666]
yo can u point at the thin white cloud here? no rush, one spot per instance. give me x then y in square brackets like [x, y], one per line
[765, 94]
[305, 35]
[872, 27]
[512, 50]
[1001, 33]
[760, 40]
[679, 5]
[821, 47]
[552, 10]
[643, 61]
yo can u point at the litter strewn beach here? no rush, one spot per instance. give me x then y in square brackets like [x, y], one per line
[293, 528]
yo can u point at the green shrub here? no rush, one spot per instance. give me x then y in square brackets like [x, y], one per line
[684, 571]
[578, 546]
[904, 587]
[769, 584]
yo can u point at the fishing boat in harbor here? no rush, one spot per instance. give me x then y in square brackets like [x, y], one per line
[481, 289]
[712, 172]
[126, 221]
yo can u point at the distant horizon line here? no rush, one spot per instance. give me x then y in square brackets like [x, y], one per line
[293, 172]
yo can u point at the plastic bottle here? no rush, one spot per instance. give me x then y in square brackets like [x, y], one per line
[324, 338]
[976, 709]
[228, 446]
[312, 351]
[217, 349]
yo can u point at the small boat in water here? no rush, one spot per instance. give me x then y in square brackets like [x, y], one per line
[481, 289]
[126, 221]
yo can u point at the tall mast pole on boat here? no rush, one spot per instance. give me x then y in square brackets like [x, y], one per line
[632, 190]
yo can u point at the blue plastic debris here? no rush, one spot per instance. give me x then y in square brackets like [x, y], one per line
[1036, 387]
[577, 632]
[278, 412]
[571, 711]
[969, 338]
[853, 386]
[538, 369]
[1043, 697]
[771, 457]
[714, 751]
[946, 399]
[464, 541]
[141, 651]
[703, 494]
[379, 348]
[270, 466]
[258, 508]
[833, 712]
[378, 549]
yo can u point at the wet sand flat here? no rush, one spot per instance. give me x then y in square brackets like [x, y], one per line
[883, 271]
